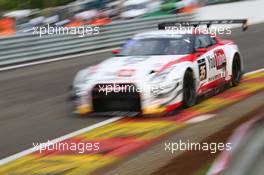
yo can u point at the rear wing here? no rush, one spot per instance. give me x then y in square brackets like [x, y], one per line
[208, 23]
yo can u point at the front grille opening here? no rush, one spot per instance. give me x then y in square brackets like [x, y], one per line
[125, 100]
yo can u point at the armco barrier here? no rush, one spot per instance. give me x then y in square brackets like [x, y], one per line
[25, 47]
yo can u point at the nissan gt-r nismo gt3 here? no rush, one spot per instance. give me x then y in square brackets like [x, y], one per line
[157, 72]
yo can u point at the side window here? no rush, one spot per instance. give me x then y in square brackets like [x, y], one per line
[213, 40]
[177, 47]
[202, 41]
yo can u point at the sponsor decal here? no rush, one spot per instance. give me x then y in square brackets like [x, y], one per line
[217, 60]
[216, 77]
[126, 72]
[220, 58]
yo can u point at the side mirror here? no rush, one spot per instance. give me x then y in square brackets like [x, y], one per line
[115, 52]
[201, 50]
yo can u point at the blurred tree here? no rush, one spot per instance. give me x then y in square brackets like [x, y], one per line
[30, 4]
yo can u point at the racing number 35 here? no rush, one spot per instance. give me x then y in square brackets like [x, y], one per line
[202, 69]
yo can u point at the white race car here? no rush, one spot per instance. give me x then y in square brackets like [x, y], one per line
[156, 73]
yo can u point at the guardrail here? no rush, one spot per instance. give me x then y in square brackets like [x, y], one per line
[27, 47]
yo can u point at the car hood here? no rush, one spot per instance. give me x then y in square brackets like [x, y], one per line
[138, 67]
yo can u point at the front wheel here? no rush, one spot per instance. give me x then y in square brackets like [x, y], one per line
[236, 71]
[189, 92]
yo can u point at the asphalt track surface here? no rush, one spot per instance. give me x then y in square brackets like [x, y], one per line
[33, 100]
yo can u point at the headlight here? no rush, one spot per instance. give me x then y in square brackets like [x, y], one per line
[161, 76]
[165, 88]
[161, 86]
[80, 92]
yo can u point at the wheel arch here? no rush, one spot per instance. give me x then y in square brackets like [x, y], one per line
[181, 69]
[189, 103]
[236, 54]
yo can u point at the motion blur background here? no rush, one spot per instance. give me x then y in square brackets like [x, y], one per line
[21, 15]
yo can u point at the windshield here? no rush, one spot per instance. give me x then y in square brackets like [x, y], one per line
[157, 46]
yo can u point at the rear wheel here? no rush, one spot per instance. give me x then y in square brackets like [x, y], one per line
[189, 92]
[236, 71]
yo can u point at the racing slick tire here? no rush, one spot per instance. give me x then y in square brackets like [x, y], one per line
[189, 91]
[236, 71]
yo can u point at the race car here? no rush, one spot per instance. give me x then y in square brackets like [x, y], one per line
[159, 71]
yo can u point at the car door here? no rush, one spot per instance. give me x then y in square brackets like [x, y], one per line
[217, 61]
[211, 62]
